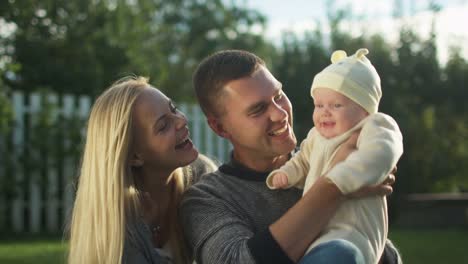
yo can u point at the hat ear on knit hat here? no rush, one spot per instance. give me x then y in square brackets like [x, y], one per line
[353, 76]
[338, 55]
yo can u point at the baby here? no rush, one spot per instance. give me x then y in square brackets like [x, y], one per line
[346, 97]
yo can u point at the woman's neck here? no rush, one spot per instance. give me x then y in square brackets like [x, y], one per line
[160, 187]
[157, 183]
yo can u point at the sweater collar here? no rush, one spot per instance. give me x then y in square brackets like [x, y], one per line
[236, 169]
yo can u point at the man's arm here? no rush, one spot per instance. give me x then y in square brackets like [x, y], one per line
[211, 229]
[303, 222]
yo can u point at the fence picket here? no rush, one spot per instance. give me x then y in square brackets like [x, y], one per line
[17, 216]
[68, 162]
[51, 190]
[34, 176]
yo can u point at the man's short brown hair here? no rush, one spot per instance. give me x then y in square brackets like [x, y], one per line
[215, 71]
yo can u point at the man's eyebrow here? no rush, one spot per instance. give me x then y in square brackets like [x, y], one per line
[259, 105]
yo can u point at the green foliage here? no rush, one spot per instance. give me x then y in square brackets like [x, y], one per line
[56, 137]
[295, 67]
[62, 45]
[6, 117]
[50, 137]
[88, 44]
[5, 110]
[80, 47]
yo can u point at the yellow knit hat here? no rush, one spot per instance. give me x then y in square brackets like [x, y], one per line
[353, 76]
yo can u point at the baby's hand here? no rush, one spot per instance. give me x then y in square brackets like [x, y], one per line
[280, 180]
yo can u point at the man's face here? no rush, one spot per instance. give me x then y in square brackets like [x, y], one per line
[257, 117]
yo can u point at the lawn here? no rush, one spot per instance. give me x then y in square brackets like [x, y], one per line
[416, 246]
[431, 246]
[36, 249]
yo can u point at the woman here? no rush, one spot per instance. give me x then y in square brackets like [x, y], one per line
[131, 179]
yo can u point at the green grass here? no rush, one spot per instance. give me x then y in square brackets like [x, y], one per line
[431, 246]
[36, 249]
[416, 246]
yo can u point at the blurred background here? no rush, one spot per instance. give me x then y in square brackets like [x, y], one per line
[56, 56]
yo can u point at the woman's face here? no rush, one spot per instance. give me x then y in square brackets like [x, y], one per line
[161, 136]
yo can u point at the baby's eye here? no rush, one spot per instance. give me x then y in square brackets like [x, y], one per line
[319, 106]
[338, 105]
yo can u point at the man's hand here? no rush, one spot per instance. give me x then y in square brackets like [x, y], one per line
[383, 189]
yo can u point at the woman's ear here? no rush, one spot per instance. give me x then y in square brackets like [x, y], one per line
[217, 127]
[136, 160]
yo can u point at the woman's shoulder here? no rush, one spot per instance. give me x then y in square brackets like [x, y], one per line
[201, 166]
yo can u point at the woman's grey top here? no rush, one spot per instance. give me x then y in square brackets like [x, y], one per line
[139, 249]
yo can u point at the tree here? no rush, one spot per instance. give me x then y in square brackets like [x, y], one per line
[5, 109]
[296, 65]
[62, 45]
[81, 46]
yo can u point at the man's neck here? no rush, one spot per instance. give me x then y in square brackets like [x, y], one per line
[259, 163]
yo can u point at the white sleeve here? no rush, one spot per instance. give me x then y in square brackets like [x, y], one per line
[297, 167]
[379, 146]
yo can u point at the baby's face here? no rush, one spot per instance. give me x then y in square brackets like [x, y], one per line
[334, 113]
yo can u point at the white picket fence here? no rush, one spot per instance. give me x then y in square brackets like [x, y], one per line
[42, 199]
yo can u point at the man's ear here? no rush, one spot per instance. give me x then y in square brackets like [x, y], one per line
[136, 160]
[217, 127]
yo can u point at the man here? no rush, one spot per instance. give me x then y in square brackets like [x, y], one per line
[230, 215]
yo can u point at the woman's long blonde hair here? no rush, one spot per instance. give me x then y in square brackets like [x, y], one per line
[107, 204]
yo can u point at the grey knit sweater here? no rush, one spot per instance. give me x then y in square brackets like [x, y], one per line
[226, 216]
[227, 213]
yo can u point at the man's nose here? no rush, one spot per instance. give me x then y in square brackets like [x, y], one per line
[278, 113]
